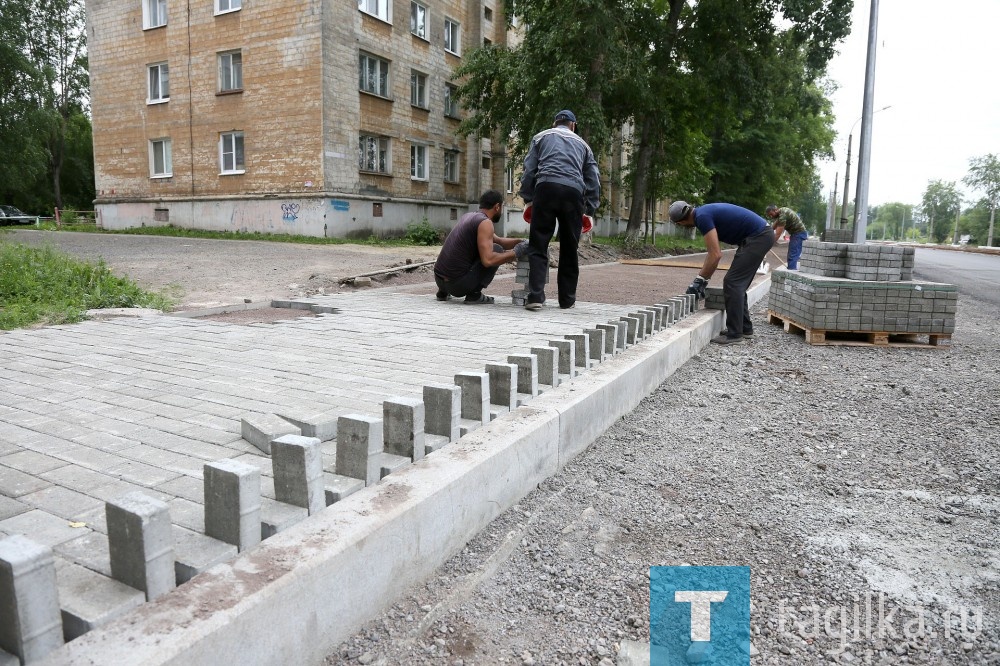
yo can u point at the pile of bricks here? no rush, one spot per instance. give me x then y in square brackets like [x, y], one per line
[714, 298]
[838, 235]
[861, 288]
[520, 296]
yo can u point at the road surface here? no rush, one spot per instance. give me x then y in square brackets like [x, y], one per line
[977, 275]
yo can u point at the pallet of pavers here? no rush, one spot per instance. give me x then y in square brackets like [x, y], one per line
[854, 294]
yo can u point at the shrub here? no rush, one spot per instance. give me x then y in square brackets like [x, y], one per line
[422, 233]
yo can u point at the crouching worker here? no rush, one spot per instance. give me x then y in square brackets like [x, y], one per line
[472, 253]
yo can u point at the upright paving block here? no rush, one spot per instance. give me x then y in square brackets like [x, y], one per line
[632, 329]
[29, 601]
[621, 337]
[610, 338]
[403, 427]
[567, 356]
[319, 424]
[232, 503]
[595, 344]
[88, 600]
[442, 410]
[654, 319]
[298, 472]
[260, 429]
[503, 384]
[141, 543]
[644, 328]
[548, 365]
[195, 552]
[668, 313]
[359, 445]
[527, 373]
[475, 395]
[581, 344]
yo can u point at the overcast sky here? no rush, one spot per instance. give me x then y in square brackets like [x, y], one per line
[936, 65]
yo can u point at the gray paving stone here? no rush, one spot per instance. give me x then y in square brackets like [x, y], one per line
[14, 483]
[338, 487]
[88, 600]
[277, 516]
[141, 543]
[29, 599]
[43, 527]
[62, 502]
[260, 429]
[31, 462]
[90, 550]
[195, 552]
[11, 507]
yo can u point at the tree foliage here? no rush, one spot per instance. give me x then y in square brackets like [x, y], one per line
[45, 132]
[939, 205]
[984, 176]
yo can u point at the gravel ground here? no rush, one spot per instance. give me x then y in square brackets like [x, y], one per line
[843, 476]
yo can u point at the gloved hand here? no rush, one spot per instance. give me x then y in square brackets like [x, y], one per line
[521, 250]
[698, 287]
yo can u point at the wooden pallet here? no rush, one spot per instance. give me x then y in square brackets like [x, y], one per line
[816, 336]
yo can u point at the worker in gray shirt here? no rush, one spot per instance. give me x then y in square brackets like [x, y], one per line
[561, 182]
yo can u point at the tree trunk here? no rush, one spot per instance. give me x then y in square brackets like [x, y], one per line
[989, 238]
[640, 180]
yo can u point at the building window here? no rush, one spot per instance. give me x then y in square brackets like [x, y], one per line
[223, 6]
[231, 153]
[510, 180]
[418, 89]
[418, 162]
[451, 37]
[487, 13]
[230, 71]
[159, 83]
[487, 42]
[418, 20]
[373, 153]
[154, 13]
[450, 101]
[373, 75]
[486, 160]
[160, 159]
[377, 8]
[451, 166]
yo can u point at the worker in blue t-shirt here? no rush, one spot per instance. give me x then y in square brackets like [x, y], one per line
[726, 223]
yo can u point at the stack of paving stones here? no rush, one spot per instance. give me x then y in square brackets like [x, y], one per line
[520, 296]
[838, 236]
[861, 288]
[714, 298]
[138, 553]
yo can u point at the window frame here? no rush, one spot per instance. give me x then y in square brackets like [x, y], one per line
[161, 68]
[384, 154]
[451, 166]
[219, 10]
[383, 9]
[419, 169]
[233, 71]
[167, 158]
[147, 13]
[425, 28]
[237, 169]
[418, 89]
[452, 36]
[450, 103]
[363, 71]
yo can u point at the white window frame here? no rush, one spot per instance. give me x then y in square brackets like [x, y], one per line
[231, 138]
[451, 166]
[382, 82]
[452, 36]
[380, 9]
[418, 161]
[227, 6]
[382, 154]
[166, 156]
[418, 89]
[418, 20]
[510, 180]
[160, 74]
[450, 103]
[231, 65]
[154, 14]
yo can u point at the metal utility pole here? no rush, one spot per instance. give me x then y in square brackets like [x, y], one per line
[864, 150]
[831, 204]
[847, 172]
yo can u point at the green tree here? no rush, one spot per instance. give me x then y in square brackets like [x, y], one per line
[984, 175]
[938, 206]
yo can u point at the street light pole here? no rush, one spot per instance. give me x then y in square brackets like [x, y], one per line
[865, 147]
[847, 172]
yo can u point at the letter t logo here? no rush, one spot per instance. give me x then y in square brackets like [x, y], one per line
[701, 610]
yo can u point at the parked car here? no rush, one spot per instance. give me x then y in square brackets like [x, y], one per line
[9, 214]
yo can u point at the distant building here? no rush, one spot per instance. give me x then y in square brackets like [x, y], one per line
[314, 117]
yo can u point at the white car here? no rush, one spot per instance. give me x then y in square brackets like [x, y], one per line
[10, 214]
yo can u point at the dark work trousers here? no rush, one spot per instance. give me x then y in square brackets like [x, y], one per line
[472, 283]
[563, 204]
[748, 258]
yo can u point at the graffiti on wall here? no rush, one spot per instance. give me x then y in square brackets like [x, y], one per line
[289, 212]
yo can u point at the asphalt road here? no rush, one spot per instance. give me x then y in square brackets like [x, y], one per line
[977, 275]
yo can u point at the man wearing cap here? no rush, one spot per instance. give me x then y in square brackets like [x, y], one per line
[560, 183]
[785, 219]
[726, 223]
[472, 253]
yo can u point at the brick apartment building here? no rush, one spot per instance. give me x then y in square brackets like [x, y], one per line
[313, 117]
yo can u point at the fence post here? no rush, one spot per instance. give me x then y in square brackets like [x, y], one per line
[58, 224]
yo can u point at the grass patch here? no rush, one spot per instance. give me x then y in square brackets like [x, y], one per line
[668, 244]
[40, 286]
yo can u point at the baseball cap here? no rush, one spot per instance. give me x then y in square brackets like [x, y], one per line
[566, 114]
[678, 210]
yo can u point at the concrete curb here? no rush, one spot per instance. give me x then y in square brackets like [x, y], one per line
[295, 597]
